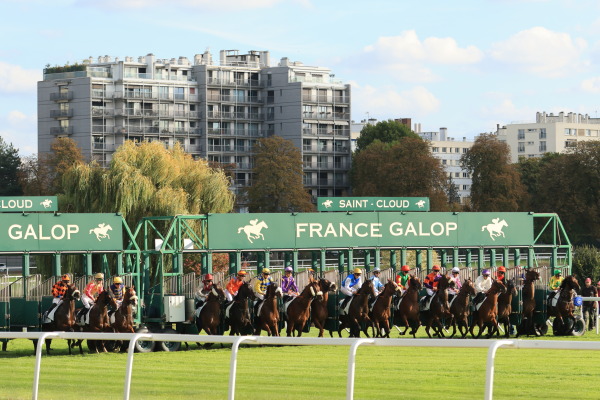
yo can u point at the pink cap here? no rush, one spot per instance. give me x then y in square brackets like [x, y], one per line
[588, 280]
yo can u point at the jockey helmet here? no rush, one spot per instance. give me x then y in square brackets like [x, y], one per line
[436, 268]
[455, 269]
[485, 272]
[266, 271]
[242, 273]
[289, 269]
[405, 268]
[501, 269]
[376, 269]
[117, 279]
[208, 277]
[588, 280]
[311, 271]
[99, 275]
[65, 278]
[557, 272]
[357, 271]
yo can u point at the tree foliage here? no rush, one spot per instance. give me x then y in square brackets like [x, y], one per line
[145, 180]
[496, 183]
[385, 131]
[277, 178]
[9, 169]
[586, 262]
[404, 168]
[64, 154]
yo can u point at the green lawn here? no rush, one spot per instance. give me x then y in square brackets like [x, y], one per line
[305, 372]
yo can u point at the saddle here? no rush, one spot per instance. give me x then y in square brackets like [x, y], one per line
[199, 310]
[344, 310]
[477, 305]
[48, 316]
[83, 317]
[553, 298]
[425, 305]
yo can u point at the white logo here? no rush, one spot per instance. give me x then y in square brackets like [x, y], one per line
[46, 203]
[420, 203]
[495, 228]
[101, 231]
[327, 203]
[253, 230]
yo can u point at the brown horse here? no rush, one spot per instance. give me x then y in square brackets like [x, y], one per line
[298, 310]
[318, 307]
[527, 326]
[358, 312]
[563, 312]
[505, 307]
[487, 314]
[407, 310]
[64, 317]
[122, 319]
[439, 307]
[98, 319]
[268, 317]
[460, 308]
[380, 311]
[239, 316]
[210, 314]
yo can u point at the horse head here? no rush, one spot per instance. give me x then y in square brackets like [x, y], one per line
[217, 293]
[497, 287]
[130, 296]
[312, 290]
[366, 287]
[570, 283]
[531, 276]
[106, 298]
[445, 282]
[72, 293]
[414, 283]
[273, 290]
[391, 287]
[327, 286]
[511, 287]
[468, 287]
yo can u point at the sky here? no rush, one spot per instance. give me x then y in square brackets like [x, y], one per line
[466, 65]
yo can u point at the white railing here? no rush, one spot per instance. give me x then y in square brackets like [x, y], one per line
[597, 312]
[491, 345]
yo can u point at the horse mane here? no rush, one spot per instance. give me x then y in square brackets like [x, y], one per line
[568, 281]
[368, 283]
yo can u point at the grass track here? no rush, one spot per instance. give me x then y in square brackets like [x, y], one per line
[304, 373]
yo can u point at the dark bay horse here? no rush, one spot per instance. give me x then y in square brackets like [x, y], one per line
[505, 307]
[460, 308]
[563, 312]
[239, 316]
[380, 312]
[298, 310]
[407, 312]
[210, 314]
[527, 326]
[487, 314]
[439, 307]
[98, 319]
[64, 317]
[268, 317]
[122, 319]
[318, 307]
[358, 312]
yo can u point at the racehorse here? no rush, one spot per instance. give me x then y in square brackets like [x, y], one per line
[101, 231]
[122, 319]
[268, 317]
[439, 307]
[407, 312]
[239, 320]
[495, 228]
[380, 311]
[252, 231]
[64, 317]
[505, 307]
[210, 314]
[460, 308]
[298, 310]
[527, 326]
[98, 319]
[318, 307]
[488, 311]
[358, 311]
[563, 312]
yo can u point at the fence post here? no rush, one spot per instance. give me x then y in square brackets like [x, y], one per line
[38, 361]
[489, 373]
[128, 369]
[233, 363]
[351, 365]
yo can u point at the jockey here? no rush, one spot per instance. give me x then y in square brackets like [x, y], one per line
[92, 290]
[483, 283]
[457, 283]
[431, 280]
[260, 287]
[500, 274]
[117, 290]
[554, 284]
[351, 285]
[234, 285]
[312, 275]
[58, 291]
[288, 285]
[377, 285]
[403, 277]
[203, 292]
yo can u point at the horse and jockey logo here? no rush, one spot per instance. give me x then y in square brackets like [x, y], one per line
[420, 203]
[495, 228]
[101, 231]
[46, 203]
[252, 230]
[327, 203]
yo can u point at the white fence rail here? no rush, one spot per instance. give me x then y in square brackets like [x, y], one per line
[491, 345]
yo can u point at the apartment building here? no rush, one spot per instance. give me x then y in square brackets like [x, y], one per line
[549, 133]
[215, 111]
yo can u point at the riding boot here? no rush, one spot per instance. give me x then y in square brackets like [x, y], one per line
[345, 302]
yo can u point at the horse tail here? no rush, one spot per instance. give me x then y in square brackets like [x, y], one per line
[483, 228]
[91, 231]
[240, 229]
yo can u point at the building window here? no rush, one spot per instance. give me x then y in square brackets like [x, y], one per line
[521, 147]
[521, 134]
[465, 174]
[443, 162]
[443, 149]
[542, 147]
[435, 149]
[543, 133]
[465, 150]
[457, 150]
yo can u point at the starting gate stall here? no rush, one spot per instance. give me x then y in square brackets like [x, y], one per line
[25, 303]
[5, 282]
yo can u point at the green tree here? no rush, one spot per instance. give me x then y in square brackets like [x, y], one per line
[530, 170]
[145, 180]
[586, 262]
[384, 131]
[277, 178]
[496, 183]
[452, 194]
[64, 154]
[9, 169]
[404, 168]
[35, 176]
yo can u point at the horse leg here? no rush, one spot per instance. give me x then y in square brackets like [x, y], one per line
[48, 343]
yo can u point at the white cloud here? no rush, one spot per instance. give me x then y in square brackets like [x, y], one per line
[385, 102]
[20, 129]
[230, 5]
[591, 85]
[541, 51]
[15, 79]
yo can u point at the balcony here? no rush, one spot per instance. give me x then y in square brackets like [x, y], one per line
[64, 96]
[101, 111]
[59, 131]
[61, 113]
[98, 93]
